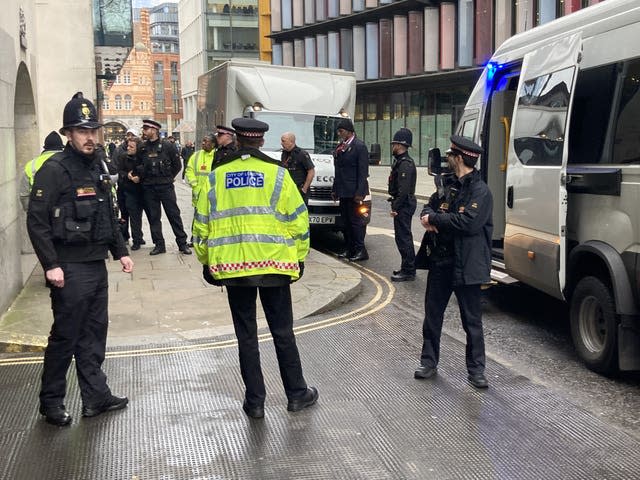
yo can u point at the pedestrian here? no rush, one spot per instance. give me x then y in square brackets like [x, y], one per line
[456, 249]
[130, 190]
[251, 234]
[225, 143]
[52, 145]
[402, 189]
[186, 153]
[72, 225]
[299, 164]
[158, 166]
[350, 187]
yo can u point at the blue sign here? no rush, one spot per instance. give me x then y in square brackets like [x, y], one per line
[244, 179]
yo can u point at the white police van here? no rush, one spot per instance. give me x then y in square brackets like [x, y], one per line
[557, 110]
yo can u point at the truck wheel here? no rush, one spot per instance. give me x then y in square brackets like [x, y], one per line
[594, 325]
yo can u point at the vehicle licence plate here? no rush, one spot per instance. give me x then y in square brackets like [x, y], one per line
[322, 219]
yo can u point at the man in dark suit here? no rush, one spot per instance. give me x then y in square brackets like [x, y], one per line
[350, 186]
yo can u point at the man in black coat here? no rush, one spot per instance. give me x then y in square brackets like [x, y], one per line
[299, 164]
[457, 251]
[402, 189]
[350, 187]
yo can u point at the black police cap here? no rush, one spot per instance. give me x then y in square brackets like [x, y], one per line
[249, 127]
[223, 129]
[466, 146]
[147, 122]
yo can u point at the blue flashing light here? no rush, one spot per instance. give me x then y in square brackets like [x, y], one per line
[492, 68]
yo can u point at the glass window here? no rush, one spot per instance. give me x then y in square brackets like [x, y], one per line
[159, 105]
[174, 68]
[626, 142]
[176, 105]
[157, 68]
[118, 102]
[541, 118]
[126, 78]
[590, 114]
[105, 103]
[127, 102]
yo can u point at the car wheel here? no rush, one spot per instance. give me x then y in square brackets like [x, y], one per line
[594, 325]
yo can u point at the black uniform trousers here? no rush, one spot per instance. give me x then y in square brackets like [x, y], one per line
[163, 194]
[276, 302]
[355, 227]
[80, 321]
[439, 289]
[124, 212]
[134, 200]
[404, 237]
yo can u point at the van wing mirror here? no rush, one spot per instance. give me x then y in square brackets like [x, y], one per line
[435, 162]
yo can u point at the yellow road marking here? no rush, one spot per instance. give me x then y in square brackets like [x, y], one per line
[375, 304]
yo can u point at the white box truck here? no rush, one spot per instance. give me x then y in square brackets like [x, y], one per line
[557, 110]
[306, 101]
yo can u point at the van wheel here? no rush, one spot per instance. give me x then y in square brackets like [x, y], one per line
[594, 325]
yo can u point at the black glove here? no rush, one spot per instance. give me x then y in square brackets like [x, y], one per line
[206, 274]
[301, 266]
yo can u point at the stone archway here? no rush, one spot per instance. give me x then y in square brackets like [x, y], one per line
[114, 131]
[26, 141]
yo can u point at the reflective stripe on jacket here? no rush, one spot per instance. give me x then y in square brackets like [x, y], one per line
[198, 168]
[251, 221]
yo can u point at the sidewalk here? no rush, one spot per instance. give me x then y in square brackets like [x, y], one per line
[165, 298]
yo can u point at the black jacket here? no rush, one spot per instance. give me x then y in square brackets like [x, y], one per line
[298, 162]
[159, 162]
[465, 213]
[351, 164]
[52, 187]
[402, 182]
[222, 152]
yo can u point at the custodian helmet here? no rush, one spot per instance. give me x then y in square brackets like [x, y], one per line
[79, 112]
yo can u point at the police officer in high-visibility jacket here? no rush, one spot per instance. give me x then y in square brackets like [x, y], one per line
[199, 167]
[251, 233]
[52, 145]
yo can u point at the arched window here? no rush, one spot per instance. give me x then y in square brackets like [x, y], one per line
[118, 105]
[127, 102]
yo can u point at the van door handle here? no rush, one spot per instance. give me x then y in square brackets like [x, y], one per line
[510, 196]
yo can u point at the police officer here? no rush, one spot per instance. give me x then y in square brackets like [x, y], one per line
[72, 225]
[52, 145]
[350, 187]
[160, 163]
[457, 251]
[299, 164]
[225, 143]
[402, 188]
[253, 253]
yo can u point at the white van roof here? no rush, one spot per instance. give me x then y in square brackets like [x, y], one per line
[591, 21]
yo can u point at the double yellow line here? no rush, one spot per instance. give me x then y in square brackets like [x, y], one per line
[378, 302]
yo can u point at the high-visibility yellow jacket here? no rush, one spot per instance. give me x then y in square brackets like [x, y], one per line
[250, 219]
[198, 167]
[30, 170]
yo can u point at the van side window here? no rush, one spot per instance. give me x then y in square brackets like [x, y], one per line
[590, 114]
[469, 128]
[541, 119]
[626, 142]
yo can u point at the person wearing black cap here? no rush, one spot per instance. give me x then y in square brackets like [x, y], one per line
[350, 187]
[402, 189]
[52, 145]
[225, 143]
[159, 164]
[459, 260]
[251, 234]
[72, 225]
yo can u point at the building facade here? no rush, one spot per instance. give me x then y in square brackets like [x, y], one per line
[148, 85]
[212, 31]
[415, 61]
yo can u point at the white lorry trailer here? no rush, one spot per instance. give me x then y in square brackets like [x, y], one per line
[557, 110]
[306, 101]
